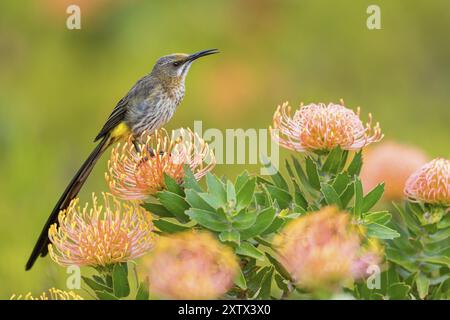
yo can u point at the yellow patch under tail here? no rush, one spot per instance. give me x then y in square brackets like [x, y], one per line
[120, 131]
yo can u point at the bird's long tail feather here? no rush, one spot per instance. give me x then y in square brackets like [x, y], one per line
[41, 247]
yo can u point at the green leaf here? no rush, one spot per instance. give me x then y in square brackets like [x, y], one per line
[331, 164]
[249, 250]
[245, 194]
[157, 209]
[142, 292]
[95, 285]
[240, 280]
[241, 180]
[436, 259]
[357, 209]
[423, 285]
[194, 199]
[355, 166]
[281, 283]
[399, 291]
[230, 236]
[341, 182]
[231, 193]
[172, 185]
[381, 232]
[380, 217]
[299, 198]
[279, 267]
[169, 227]
[254, 284]
[444, 223]
[283, 198]
[438, 236]
[311, 171]
[266, 284]
[279, 181]
[300, 173]
[208, 219]
[216, 188]
[343, 160]
[372, 197]
[175, 204]
[211, 200]
[263, 221]
[411, 221]
[103, 295]
[347, 195]
[275, 226]
[401, 259]
[120, 280]
[189, 180]
[331, 196]
[244, 220]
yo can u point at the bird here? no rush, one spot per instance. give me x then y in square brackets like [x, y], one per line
[147, 106]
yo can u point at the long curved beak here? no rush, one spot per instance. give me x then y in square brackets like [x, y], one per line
[200, 54]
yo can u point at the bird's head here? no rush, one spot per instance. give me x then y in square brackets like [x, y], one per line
[174, 67]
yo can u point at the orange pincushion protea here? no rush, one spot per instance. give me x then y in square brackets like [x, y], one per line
[320, 127]
[191, 265]
[101, 235]
[137, 171]
[430, 183]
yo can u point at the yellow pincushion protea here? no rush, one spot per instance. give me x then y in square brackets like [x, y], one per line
[321, 127]
[52, 294]
[430, 183]
[191, 265]
[136, 170]
[101, 235]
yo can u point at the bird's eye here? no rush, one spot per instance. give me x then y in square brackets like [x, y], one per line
[176, 63]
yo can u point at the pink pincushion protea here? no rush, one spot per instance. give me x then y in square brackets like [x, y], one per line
[430, 183]
[191, 265]
[323, 251]
[320, 127]
[135, 175]
[101, 235]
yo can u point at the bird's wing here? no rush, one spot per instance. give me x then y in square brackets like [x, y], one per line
[116, 117]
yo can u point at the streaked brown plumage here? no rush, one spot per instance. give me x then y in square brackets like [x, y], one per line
[148, 106]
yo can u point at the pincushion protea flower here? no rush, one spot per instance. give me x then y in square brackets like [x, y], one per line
[370, 254]
[392, 163]
[101, 235]
[430, 183]
[52, 294]
[135, 175]
[191, 265]
[322, 250]
[320, 127]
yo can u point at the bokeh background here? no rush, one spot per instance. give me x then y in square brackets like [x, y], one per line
[57, 86]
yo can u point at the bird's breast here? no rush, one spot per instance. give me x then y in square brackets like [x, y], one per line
[155, 111]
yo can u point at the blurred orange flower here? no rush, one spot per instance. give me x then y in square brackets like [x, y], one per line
[320, 127]
[430, 183]
[391, 163]
[101, 235]
[322, 250]
[191, 265]
[135, 175]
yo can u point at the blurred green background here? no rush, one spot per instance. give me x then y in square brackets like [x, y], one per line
[58, 86]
